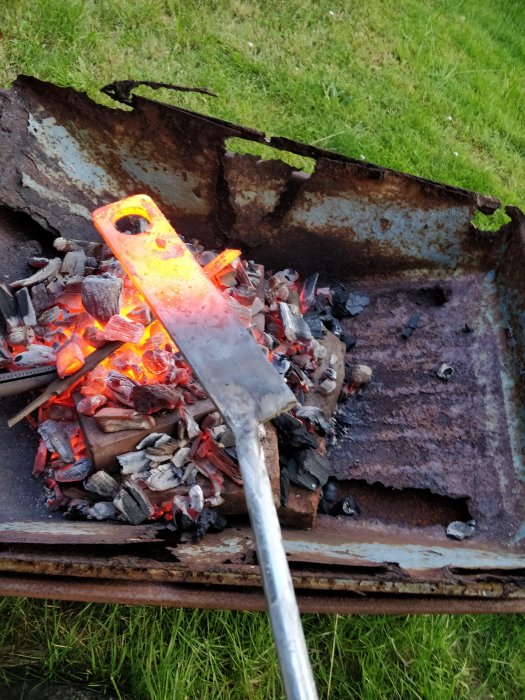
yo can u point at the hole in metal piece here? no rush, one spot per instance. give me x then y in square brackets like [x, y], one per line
[132, 224]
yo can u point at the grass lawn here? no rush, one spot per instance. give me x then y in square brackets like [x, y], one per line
[432, 87]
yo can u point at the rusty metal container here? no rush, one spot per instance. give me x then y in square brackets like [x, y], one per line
[417, 453]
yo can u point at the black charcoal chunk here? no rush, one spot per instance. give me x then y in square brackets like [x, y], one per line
[356, 302]
[410, 326]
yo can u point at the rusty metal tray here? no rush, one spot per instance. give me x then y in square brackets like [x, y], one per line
[417, 452]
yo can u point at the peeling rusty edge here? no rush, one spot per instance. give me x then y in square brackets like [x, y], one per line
[237, 577]
[169, 595]
[485, 203]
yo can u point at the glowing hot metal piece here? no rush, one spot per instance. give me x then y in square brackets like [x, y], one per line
[238, 378]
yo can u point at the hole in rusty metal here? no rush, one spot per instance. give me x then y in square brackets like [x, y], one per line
[408, 507]
[132, 224]
[489, 222]
[246, 147]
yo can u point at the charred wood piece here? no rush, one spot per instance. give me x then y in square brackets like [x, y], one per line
[57, 437]
[294, 325]
[133, 503]
[89, 405]
[101, 295]
[78, 471]
[25, 307]
[74, 263]
[101, 483]
[150, 398]
[111, 420]
[9, 309]
[133, 462]
[120, 388]
[42, 299]
[50, 270]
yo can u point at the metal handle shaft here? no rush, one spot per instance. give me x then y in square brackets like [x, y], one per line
[280, 596]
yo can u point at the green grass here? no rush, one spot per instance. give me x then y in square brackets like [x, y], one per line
[436, 88]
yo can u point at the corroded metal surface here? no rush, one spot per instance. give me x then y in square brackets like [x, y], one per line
[417, 453]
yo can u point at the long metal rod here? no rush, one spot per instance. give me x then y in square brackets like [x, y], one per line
[285, 620]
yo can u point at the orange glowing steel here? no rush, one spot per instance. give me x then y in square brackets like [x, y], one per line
[160, 260]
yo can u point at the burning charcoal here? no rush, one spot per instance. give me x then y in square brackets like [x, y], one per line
[104, 510]
[35, 356]
[133, 503]
[307, 295]
[410, 327]
[40, 458]
[50, 270]
[94, 381]
[347, 506]
[50, 315]
[111, 420]
[55, 496]
[458, 530]
[9, 309]
[57, 436]
[150, 398]
[77, 471]
[102, 484]
[69, 359]
[157, 361]
[358, 375]
[133, 462]
[120, 388]
[164, 477]
[74, 263]
[94, 337]
[37, 262]
[295, 327]
[356, 303]
[119, 328]
[445, 372]
[41, 298]
[220, 263]
[101, 296]
[141, 314]
[60, 411]
[89, 405]
[25, 307]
